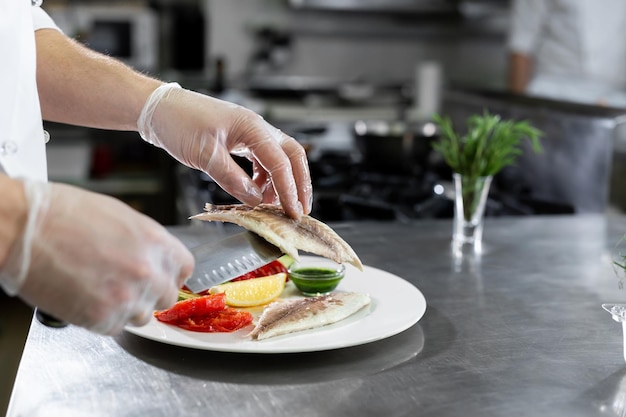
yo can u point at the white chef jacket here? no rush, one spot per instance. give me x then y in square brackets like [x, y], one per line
[22, 139]
[578, 47]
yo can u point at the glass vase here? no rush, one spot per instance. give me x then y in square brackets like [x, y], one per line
[469, 210]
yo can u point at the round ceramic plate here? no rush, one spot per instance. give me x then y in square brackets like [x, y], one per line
[396, 305]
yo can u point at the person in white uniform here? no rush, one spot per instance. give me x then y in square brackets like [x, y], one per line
[87, 258]
[572, 50]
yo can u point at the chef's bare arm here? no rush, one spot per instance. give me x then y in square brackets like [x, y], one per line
[81, 87]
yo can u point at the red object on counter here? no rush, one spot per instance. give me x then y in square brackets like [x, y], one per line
[271, 268]
[227, 320]
[207, 313]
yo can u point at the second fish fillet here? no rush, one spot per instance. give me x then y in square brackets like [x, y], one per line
[289, 316]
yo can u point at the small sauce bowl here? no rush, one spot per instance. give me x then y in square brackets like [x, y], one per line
[316, 276]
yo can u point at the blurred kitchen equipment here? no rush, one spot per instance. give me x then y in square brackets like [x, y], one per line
[129, 32]
[319, 91]
[428, 86]
[393, 172]
[271, 51]
[290, 86]
[184, 36]
[394, 146]
[389, 6]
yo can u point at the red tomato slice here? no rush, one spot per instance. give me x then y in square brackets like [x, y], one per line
[207, 313]
[227, 320]
[271, 268]
[192, 307]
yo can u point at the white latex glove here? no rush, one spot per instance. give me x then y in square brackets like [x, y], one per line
[93, 261]
[202, 132]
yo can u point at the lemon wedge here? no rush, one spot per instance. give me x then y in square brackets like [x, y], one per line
[252, 292]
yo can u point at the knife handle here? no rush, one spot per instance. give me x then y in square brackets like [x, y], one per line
[48, 320]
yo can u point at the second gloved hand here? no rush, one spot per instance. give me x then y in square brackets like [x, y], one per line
[202, 132]
[91, 260]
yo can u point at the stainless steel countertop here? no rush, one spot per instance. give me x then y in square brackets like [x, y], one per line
[518, 331]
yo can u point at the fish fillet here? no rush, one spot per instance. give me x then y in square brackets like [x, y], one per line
[289, 316]
[270, 221]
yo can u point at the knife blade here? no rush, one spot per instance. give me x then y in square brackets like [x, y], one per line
[225, 259]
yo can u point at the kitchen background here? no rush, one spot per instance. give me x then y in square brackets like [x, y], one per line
[311, 67]
[381, 46]
[355, 81]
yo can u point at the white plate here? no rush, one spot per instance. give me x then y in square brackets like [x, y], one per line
[396, 305]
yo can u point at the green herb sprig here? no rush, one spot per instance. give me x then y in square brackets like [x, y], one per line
[489, 145]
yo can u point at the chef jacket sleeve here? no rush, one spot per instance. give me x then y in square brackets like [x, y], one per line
[527, 20]
[41, 20]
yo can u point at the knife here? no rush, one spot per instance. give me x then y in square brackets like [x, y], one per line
[225, 259]
[48, 320]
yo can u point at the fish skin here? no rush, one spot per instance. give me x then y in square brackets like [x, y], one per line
[289, 316]
[271, 222]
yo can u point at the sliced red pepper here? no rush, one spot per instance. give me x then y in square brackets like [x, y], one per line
[192, 307]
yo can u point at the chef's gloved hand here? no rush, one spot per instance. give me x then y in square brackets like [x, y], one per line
[202, 132]
[93, 261]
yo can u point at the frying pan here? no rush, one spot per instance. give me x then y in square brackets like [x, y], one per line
[394, 147]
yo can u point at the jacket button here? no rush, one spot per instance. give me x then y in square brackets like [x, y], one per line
[36, 2]
[8, 147]
[46, 136]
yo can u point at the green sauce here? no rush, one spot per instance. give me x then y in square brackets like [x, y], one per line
[313, 272]
[315, 280]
